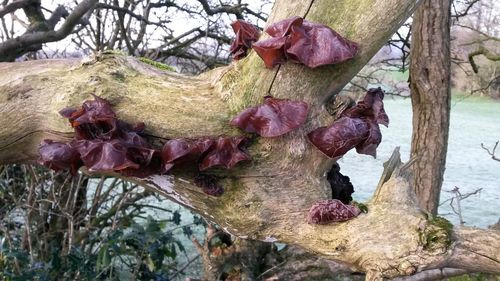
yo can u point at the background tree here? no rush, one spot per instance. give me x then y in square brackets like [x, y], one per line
[39, 29]
[431, 96]
[140, 28]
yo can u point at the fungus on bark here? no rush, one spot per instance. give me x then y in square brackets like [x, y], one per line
[208, 152]
[59, 156]
[341, 185]
[225, 152]
[107, 144]
[246, 34]
[370, 107]
[331, 210]
[357, 128]
[343, 135]
[309, 43]
[103, 143]
[181, 150]
[209, 184]
[273, 118]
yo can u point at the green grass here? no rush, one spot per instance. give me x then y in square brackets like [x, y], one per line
[156, 64]
[399, 76]
[458, 95]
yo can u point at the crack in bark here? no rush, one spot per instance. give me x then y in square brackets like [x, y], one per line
[29, 134]
[309, 8]
[487, 257]
[279, 66]
[272, 81]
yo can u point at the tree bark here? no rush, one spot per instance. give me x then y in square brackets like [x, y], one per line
[430, 96]
[268, 198]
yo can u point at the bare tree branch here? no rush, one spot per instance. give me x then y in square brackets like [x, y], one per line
[492, 152]
[481, 50]
[465, 12]
[130, 13]
[234, 9]
[14, 6]
[15, 47]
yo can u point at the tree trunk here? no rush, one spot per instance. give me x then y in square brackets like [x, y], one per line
[268, 198]
[430, 96]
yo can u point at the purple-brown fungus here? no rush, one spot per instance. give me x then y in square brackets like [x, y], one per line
[302, 41]
[273, 118]
[357, 128]
[370, 107]
[331, 210]
[103, 143]
[59, 156]
[225, 152]
[178, 151]
[246, 34]
[209, 184]
[343, 135]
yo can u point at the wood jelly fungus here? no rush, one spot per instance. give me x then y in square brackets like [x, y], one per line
[103, 143]
[273, 118]
[358, 127]
[341, 185]
[226, 152]
[180, 150]
[209, 184]
[246, 34]
[305, 42]
[331, 210]
[59, 156]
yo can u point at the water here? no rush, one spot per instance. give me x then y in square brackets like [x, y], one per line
[468, 166]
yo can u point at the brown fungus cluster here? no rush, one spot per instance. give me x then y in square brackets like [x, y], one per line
[294, 39]
[341, 185]
[273, 118]
[104, 143]
[246, 34]
[331, 210]
[357, 127]
[302, 41]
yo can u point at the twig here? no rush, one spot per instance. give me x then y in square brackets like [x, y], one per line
[458, 197]
[492, 152]
[184, 267]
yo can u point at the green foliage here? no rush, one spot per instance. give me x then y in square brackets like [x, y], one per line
[362, 207]
[117, 240]
[156, 64]
[143, 251]
[436, 237]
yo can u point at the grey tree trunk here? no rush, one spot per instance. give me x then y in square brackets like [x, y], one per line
[268, 198]
[430, 96]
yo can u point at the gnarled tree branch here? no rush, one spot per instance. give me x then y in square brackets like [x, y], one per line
[32, 40]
